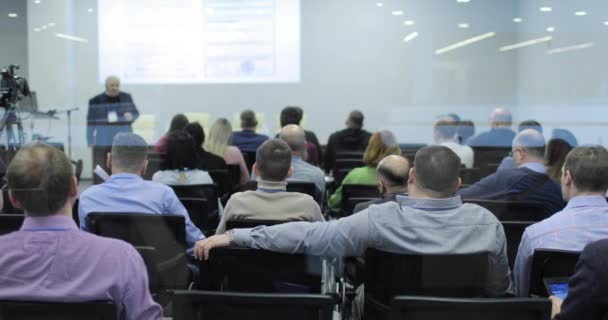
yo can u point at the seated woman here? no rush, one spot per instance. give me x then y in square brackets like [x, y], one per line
[178, 122]
[179, 165]
[218, 143]
[560, 143]
[381, 144]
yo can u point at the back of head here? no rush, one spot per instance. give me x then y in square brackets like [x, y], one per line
[437, 170]
[355, 119]
[295, 137]
[248, 119]
[532, 141]
[181, 152]
[501, 117]
[129, 152]
[220, 137]
[291, 115]
[178, 122]
[466, 129]
[530, 124]
[40, 177]
[380, 145]
[564, 135]
[273, 159]
[446, 129]
[195, 130]
[588, 167]
[556, 153]
[394, 171]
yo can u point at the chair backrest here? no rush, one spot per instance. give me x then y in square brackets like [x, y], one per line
[234, 172]
[470, 176]
[357, 155]
[151, 259]
[514, 230]
[10, 222]
[512, 210]
[409, 150]
[198, 210]
[251, 270]
[487, 159]
[249, 160]
[246, 224]
[548, 263]
[154, 161]
[200, 191]
[195, 305]
[34, 310]
[353, 194]
[308, 188]
[419, 308]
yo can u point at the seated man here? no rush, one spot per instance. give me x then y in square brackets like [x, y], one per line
[500, 135]
[302, 171]
[528, 182]
[584, 220]
[247, 140]
[445, 133]
[270, 201]
[352, 139]
[128, 192]
[507, 162]
[49, 259]
[431, 220]
[392, 181]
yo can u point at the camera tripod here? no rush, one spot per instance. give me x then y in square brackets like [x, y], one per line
[12, 117]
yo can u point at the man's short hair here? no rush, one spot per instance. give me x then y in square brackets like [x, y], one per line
[291, 115]
[129, 151]
[39, 177]
[447, 128]
[532, 141]
[248, 119]
[437, 169]
[530, 124]
[273, 159]
[178, 122]
[588, 167]
[196, 131]
[356, 118]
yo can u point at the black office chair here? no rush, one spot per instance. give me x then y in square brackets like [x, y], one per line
[512, 210]
[10, 222]
[221, 177]
[548, 263]
[249, 223]
[353, 194]
[408, 150]
[249, 160]
[209, 192]
[75, 215]
[165, 233]
[470, 176]
[388, 274]
[308, 188]
[205, 305]
[34, 310]
[198, 210]
[343, 166]
[250, 270]
[154, 162]
[514, 230]
[487, 159]
[150, 257]
[427, 308]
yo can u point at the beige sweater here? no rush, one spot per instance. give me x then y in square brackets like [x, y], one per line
[270, 202]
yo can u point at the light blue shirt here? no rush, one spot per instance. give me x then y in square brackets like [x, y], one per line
[128, 192]
[304, 172]
[583, 220]
[414, 226]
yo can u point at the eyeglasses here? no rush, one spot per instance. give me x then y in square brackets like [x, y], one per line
[513, 152]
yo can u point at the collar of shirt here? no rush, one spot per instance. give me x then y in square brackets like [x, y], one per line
[296, 159]
[534, 166]
[587, 201]
[272, 186]
[430, 204]
[125, 176]
[49, 223]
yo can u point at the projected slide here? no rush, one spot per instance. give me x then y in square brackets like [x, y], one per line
[200, 41]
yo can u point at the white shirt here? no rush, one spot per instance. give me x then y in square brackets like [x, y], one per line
[172, 177]
[465, 153]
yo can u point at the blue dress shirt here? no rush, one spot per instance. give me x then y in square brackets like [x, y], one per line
[128, 192]
[247, 140]
[584, 220]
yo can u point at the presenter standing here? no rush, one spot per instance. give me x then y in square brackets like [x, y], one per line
[110, 113]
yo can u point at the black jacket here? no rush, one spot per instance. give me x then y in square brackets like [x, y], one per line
[347, 140]
[101, 132]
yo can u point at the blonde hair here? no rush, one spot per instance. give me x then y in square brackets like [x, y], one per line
[381, 144]
[220, 137]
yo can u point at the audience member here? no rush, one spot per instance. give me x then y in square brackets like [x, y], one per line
[179, 165]
[392, 181]
[561, 142]
[446, 134]
[500, 135]
[248, 140]
[205, 160]
[218, 143]
[584, 182]
[351, 139]
[294, 136]
[466, 129]
[49, 259]
[126, 191]
[507, 162]
[178, 123]
[527, 182]
[294, 115]
[588, 287]
[271, 201]
[381, 144]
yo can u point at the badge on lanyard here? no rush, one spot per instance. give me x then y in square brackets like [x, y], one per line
[112, 116]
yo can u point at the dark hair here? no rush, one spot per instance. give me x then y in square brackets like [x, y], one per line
[530, 124]
[178, 122]
[392, 177]
[248, 119]
[466, 129]
[437, 169]
[195, 130]
[291, 115]
[39, 176]
[588, 167]
[356, 118]
[447, 128]
[181, 152]
[273, 159]
[557, 151]
[129, 151]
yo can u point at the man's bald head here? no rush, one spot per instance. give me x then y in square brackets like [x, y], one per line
[295, 138]
[531, 146]
[393, 172]
[501, 118]
[112, 86]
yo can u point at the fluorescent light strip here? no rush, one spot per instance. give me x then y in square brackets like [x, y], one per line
[571, 48]
[72, 38]
[464, 43]
[410, 36]
[525, 44]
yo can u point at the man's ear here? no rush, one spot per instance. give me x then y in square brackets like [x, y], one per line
[568, 178]
[144, 167]
[16, 204]
[458, 185]
[256, 170]
[290, 171]
[109, 160]
[411, 179]
[73, 187]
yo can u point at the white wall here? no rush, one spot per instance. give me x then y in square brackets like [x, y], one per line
[13, 35]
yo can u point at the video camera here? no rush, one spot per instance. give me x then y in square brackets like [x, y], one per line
[12, 87]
